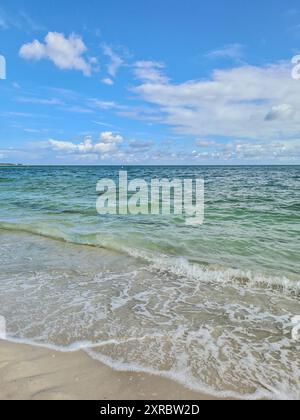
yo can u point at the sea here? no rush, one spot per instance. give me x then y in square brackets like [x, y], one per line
[215, 307]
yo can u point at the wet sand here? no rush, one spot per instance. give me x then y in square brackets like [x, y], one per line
[32, 373]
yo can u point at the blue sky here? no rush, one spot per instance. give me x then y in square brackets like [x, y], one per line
[150, 82]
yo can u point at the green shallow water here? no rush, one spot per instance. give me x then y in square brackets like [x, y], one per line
[210, 306]
[252, 214]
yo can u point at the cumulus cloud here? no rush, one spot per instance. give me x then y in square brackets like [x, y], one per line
[109, 137]
[33, 51]
[104, 148]
[69, 147]
[67, 53]
[107, 143]
[109, 146]
[232, 103]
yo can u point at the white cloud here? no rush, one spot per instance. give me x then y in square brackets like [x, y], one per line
[282, 112]
[109, 137]
[108, 143]
[233, 103]
[109, 146]
[103, 124]
[64, 146]
[150, 72]
[106, 105]
[104, 148]
[108, 81]
[33, 51]
[115, 60]
[39, 101]
[231, 51]
[77, 109]
[243, 151]
[65, 53]
[206, 143]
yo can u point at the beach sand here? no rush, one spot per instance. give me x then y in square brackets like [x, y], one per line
[33, 373]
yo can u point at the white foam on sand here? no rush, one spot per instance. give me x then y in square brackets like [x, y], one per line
[218, 331]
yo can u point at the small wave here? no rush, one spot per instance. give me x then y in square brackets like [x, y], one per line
[277, 393]
[180, 377]
[51, 233]
[166, 264]
[183, 268]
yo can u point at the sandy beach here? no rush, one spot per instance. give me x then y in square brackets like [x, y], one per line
[32, 373]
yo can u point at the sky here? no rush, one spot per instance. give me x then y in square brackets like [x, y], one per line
[138, 82]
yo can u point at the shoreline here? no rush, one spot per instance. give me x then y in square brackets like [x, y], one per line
[36, 373]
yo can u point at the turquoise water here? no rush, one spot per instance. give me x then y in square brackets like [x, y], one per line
[210, 306]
